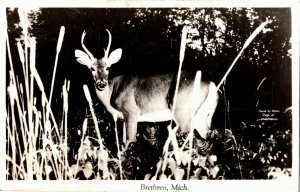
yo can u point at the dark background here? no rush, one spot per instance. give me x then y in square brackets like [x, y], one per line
[150, 40]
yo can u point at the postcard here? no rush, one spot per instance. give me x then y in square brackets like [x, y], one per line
[150, 96]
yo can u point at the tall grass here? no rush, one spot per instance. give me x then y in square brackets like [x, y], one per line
[37, 144]
[33, 135]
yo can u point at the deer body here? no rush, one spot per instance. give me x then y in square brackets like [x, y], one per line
[150, 98]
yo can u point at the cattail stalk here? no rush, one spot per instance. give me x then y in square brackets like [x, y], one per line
[248, 41]
[172, 134]
[58, 48]
[118, 150]
[89, 99]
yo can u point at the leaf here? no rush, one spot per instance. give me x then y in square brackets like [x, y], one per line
[147, 176]
[81, 153]
[254, 155]
[103, 166]
[184, 157]
[21, 176]
[163, 177]
[197, 172]
[72, 169]
[196, 161]
[212, 159]
[48, 153]
[102, 154]
[214, 171]
[48, 169]
[86, 142]
[106, 176]
[202, 161]
[94, 153]
[98, 177]
[90, 153]
[88, 170]
[172, 165]
[179, 174]
[193, 177]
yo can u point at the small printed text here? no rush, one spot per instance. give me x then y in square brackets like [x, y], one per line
[172, 187]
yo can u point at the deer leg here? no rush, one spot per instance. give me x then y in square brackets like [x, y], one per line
[203, 117]
[124, 132]
[212, 109]
[131, 130]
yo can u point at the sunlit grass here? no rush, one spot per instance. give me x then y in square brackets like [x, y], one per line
[37, 143]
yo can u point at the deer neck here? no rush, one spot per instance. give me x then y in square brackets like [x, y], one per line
[105, 97]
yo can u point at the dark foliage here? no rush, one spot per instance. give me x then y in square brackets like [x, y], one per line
[241, 145]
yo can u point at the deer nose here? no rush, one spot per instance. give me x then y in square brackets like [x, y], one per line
[101, 84]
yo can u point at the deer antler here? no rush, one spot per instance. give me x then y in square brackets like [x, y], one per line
[85, 49]
[108, 46]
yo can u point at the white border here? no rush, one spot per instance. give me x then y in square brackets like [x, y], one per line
[151, 3]
[295, 88]
[223, 185]
[2, 95]
[131, 186]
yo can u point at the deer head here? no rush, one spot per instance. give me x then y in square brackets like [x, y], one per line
[98, 67]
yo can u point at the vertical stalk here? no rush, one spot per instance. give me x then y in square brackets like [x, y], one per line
[66, 108]
[84, 127]
[31, 141]
[195, 95]
[248, 41]
[58, 48]
[89, 99]
[181, 58]
[12, 78]
[118, 150]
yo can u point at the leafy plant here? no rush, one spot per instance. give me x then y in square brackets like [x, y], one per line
[43, 145]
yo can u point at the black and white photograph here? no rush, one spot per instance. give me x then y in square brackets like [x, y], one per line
[172, 92]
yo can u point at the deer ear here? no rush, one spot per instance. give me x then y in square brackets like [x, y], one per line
[115, 56]
[83, 58]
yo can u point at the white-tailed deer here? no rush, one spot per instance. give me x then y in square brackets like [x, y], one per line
[150, 98]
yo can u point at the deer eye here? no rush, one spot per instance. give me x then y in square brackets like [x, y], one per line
[93, 69]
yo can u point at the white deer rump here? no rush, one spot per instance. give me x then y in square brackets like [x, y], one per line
[157, 116]
[151, 98]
